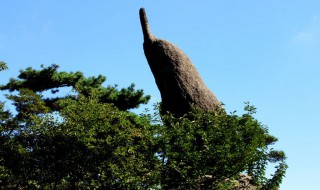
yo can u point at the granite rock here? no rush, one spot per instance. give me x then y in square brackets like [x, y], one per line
[179, 82]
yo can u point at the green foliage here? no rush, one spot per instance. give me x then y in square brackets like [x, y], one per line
[89, 140]
[121, 144]
[49, 78]
[95, 145]
[202, 149]
[275, 181]
[28, 103]
[3, 66]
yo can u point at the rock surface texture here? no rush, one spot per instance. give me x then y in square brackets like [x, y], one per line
[178, 80]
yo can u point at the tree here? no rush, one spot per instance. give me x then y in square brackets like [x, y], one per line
[89, 139]
[92, 142]
[203, 149]
[48, 78]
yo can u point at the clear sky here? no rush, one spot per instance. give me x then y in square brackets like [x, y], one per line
[264, 52]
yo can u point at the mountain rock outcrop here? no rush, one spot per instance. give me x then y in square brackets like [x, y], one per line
[178, 80]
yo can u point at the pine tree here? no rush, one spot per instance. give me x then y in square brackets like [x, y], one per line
[50, 79]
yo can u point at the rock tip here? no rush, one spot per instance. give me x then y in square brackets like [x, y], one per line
[145, 25]
[142, 11]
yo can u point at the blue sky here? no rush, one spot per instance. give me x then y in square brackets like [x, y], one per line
[265, 52]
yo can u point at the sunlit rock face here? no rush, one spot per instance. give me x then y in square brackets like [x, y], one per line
[178, 80]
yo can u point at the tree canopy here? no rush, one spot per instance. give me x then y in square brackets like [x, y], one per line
[49, 78]
[89, 139]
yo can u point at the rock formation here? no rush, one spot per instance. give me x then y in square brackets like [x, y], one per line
[178, 80]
